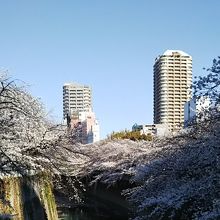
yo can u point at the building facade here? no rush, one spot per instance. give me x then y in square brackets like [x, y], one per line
[84, 127]
[196, 110]
[77, 113]
[159, 130]
[76, 98]
[172, 88]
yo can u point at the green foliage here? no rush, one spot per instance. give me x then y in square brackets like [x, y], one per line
[132, 135]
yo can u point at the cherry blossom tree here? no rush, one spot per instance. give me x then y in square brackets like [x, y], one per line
[209, 86]
[25, 131]
[31, 143]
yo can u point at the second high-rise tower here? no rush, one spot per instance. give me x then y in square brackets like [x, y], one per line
[172, 87]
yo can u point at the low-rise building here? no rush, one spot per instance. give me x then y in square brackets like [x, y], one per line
[84, 127]
[153, 129]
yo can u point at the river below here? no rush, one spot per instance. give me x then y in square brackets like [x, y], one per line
[90, 214]
[99, 205]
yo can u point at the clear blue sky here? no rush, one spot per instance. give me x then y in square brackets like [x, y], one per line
[107, 44]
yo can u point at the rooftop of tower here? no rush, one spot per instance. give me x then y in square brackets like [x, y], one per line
[74, 84]
[170, 52]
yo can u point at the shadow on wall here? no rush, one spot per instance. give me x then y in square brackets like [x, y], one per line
[32, 206]
[27, 198]
[19, 200]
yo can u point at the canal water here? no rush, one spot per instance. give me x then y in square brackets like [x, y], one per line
[92, 214]
[99, 205]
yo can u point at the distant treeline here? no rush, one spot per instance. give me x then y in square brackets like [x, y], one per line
[131, 135]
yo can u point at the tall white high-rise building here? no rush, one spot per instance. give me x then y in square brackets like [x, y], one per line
[76, 98]
[172, 87]
[77, 112]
